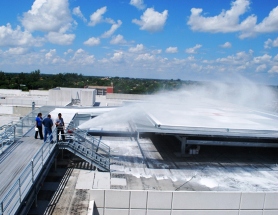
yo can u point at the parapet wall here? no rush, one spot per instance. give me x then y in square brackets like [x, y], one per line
[17, 110]
[114, 202]
[126, 96]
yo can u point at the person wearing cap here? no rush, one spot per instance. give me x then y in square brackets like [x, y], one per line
[48, 123]
[59, 122]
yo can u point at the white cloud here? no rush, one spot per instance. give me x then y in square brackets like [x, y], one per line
[226, 45]
[271, 43]
[156, 51]
[229, 21]
[17, 37]
[276, 58]
[60, 39]
[239, 58]
[261, 67]
[113, 28]
[119, 39]
[270, 23]
[77, 12]
[97, 17]
[226, 21]
[261, 59]
[117, 57]
[93, 41]
[171, 49]
[49, 55]
[68, 52]
[138, 4]
[138, 48]
[274, 69]
[47, 16]
[152, 20]
[193, 49]
[17, 51]
[145, 57]
[82, 58]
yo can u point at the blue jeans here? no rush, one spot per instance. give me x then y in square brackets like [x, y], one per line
[49, 132]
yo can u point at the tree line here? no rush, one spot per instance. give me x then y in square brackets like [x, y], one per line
[35, 80]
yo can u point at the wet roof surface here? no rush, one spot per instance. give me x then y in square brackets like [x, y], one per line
[153, 163]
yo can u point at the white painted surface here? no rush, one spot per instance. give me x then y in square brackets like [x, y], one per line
[118, 181]
[91, 208]
[117, 199]
[6, 109]
[252, 200]
[102, 180]
[85, 179]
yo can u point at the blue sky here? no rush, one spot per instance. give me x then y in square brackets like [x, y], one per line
[166, 39]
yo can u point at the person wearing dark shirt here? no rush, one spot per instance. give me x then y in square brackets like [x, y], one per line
[39, 126]
[59, 122]
[48, 123]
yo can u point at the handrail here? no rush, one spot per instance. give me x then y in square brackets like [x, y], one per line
[87, 150]
[7, 138]
[16, 130]
[16, 194]
[96, 143]
[94, 152]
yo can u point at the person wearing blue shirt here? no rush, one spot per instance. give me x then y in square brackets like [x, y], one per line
[39, 126]
[48, 123]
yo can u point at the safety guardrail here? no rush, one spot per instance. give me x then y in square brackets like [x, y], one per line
[15, 130]
[88, 148]
[16, 194]
[97, 145]
[7, 137]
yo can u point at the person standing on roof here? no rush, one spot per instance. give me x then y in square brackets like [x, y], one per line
[59, 122]
[48, 123]
[39, 126]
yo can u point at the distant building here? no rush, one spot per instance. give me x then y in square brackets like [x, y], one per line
[102, 90]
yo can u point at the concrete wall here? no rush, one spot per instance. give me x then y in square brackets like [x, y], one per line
[114, 202]
[87, 97]
[6, 109]
[38, 92]
[59, 97]
[25, 101]
[10, 92]
[75, 92]
[126, 96]
[22, 111]
[18, 110]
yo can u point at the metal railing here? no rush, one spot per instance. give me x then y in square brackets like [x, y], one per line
[88, 148]
[15, 130]
[7, 137]
[79, 142]
[16, 194]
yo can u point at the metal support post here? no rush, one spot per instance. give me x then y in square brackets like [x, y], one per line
[55, 164]
[20, 200]
[183, 145]
[14, 132]
[32, 162]
[36, 198]
[42, 156]
[2, 208]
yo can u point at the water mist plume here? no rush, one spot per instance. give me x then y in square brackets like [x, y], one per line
[243, 94]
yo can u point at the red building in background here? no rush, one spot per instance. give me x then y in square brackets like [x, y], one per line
[102, 90]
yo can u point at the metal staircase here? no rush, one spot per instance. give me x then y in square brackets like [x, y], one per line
[85, 146]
